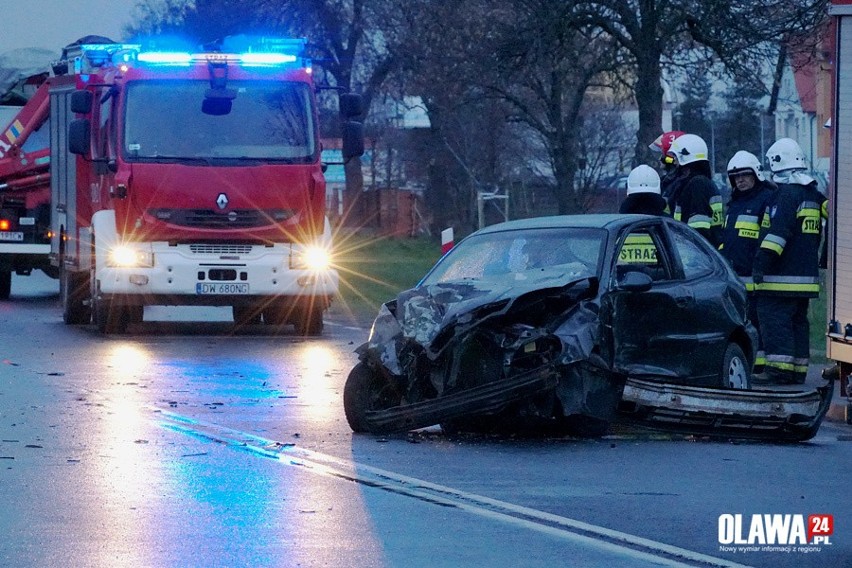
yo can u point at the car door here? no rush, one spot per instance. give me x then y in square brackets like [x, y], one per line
[709, 320]
[645, 332]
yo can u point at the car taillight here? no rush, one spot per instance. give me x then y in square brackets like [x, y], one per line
[5, 225]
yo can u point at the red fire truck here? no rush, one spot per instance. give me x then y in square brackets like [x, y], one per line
[839, 341]
[180, 178]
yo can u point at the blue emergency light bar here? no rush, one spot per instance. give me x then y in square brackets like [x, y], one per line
[164, 57]
[263, 59]
[251, 52]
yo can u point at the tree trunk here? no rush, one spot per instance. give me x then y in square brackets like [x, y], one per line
[649, 99]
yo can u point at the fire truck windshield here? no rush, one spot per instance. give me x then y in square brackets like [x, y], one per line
[268, 120]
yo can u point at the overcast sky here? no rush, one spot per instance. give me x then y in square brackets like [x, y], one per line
[53, 24]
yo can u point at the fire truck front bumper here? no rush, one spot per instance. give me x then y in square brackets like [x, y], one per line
[214, 275]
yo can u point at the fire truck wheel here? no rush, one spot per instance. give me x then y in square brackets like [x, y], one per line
[277, 315]
[74, 290]
[735, 373]
[246, 315]
[110, 318]
[5, 284]
[134, 314]
[309, 323]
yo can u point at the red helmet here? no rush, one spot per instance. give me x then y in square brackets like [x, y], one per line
[664, 141]
[663, 144]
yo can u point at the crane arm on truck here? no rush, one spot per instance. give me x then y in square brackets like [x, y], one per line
[20, 161]
[25, 189]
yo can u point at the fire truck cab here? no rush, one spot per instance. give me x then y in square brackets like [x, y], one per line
[191, 178]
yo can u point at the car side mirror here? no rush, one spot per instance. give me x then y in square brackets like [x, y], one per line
[634, 281]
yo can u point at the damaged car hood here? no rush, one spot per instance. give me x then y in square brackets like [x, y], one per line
[424, 312]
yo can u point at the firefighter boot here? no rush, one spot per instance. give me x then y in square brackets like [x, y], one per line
[773, 376]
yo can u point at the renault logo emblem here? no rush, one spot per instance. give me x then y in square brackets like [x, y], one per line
[222, 201]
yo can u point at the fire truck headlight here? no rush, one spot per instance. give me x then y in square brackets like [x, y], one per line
[314, 258]
[128, 256]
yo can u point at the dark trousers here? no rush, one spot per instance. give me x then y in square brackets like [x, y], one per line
[785, 332]
[754, 318]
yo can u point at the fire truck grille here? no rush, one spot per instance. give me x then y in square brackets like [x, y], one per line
[210, 219]
[220, 249]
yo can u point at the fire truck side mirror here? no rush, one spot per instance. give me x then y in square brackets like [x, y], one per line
[79, 137]
[353, 139]
[351, 105]
[81, 102]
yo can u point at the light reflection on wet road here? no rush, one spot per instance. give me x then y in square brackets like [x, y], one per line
[195, 444]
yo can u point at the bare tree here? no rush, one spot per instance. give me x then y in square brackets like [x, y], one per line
[742, 34]
[527, 58]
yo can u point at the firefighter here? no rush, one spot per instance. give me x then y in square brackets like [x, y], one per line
[662, 145]
[751, 197]
[693, 197]
[786, 271]
[643, 192]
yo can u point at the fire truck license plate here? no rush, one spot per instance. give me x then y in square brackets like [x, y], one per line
[7, 236]
[221, 288]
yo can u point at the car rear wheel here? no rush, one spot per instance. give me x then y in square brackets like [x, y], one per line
[366, 390]
[735, 371]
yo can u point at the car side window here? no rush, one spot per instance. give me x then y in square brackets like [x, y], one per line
[640, 251]
[694, 259]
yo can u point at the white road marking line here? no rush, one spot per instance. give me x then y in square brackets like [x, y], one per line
[632, 546]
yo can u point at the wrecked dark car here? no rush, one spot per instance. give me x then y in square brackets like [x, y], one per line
[547, 319]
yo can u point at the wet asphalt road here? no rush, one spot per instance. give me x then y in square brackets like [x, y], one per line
[198, 444]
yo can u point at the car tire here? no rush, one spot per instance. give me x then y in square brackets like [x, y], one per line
[5, 284]
[735, 369]
[366, 390]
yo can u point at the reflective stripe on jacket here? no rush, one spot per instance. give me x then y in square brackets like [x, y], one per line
[746, 212]
[788, 256]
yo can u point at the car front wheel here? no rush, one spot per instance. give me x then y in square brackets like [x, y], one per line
[735, 370]
[366, 390]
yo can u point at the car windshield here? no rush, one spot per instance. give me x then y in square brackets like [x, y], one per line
[266, 120]
[569, 251]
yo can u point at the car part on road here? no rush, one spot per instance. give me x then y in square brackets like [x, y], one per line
[758, 414]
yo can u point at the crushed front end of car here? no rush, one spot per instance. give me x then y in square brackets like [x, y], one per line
[454, 351]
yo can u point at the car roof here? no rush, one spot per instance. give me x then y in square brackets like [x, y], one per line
[597, 221]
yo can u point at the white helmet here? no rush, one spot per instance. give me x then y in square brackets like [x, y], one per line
[786, 154]
[745, 161]
[689, 148]
[643, 179]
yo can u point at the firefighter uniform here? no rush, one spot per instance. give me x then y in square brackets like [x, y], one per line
[698, 204]
[786, 275]
[693, 197]
[747, 211]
